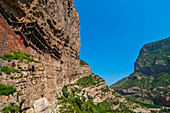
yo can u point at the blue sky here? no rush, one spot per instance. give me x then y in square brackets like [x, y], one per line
[114, 31]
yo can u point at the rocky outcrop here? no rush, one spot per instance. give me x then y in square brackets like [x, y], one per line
[154, 58]
[132, 90]
[163, 100]
[41, 105]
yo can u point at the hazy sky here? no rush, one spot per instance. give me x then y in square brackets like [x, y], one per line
[114, 31]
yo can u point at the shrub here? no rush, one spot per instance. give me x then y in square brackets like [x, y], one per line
[160, 80]
[65, 91]
[73, 90]
[10, 109]
[105, 89]
[82, 63]
[13, 64]
[116, 102]
[119, 96]
[8, 70]
[12, 77]
[89, 97]
[32, 79]
[77, 105]
[6, 90]
[18, 55]
[83, 98]
[87, 81]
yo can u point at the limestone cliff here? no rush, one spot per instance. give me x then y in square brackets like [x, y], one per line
[58, 18]
[154, 58]
[151, 79]
[60, 22]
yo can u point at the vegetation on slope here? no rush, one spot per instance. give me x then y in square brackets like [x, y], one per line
[18, 55]
[151, 72]
[120, 82]
[155, 53]
[80, 104]
[143, 102]
[82, 63]
[161, 58]
[157, 41]
[89, 81]
[148, 82]
[8, 70]
[10, 109]
[6, 90]
[77, 98]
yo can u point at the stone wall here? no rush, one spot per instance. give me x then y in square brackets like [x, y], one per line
[8, 39]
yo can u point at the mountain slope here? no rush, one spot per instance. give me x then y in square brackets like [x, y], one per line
[151, 77]
[154, 58]
[22, 79]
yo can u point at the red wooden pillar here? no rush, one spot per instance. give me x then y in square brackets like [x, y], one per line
[18, 36]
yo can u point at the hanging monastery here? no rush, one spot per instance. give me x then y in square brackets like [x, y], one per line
[30, 34]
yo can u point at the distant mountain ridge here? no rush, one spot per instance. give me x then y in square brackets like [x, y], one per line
[154, 58]
[151, 77]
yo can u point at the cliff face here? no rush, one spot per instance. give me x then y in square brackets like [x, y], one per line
[60, 22]
[151, 79]
[154, 58]
[8, 39]
[58, 18]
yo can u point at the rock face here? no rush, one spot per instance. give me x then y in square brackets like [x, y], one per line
[60, 21]
[154, 58]
[8, 39]
[58, 18]
[35, 82]
[163, 100]
[41, 105]
[152, 74]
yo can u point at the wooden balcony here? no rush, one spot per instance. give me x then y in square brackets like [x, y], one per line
[31, 33]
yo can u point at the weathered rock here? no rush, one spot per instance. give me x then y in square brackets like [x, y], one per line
[132, 90]
[60, 22]
[154, 58]
[163, 100]
[8, 39]
[30, 110]
[41, 105]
